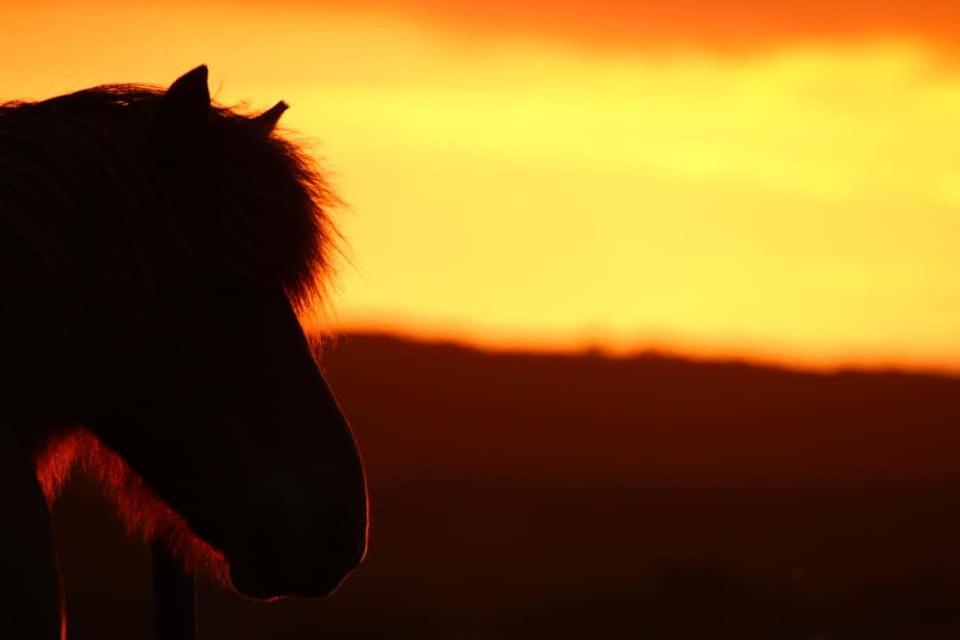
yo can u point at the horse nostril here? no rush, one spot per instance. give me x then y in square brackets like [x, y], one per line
[351, 543]
[346, 539]
[359, 546]
[360, 552]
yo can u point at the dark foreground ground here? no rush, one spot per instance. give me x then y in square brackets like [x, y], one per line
[519, 496]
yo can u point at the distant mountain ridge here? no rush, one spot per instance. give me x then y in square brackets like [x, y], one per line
[651, 415]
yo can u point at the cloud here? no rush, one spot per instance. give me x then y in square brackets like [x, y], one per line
[725, 26]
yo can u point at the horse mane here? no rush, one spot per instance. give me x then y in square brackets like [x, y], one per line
[273, 226]
[141, 511]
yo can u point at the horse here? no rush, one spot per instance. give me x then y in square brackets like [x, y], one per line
[155, 250]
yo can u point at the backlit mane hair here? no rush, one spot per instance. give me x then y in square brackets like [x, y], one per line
[251, 198]
[141, 511]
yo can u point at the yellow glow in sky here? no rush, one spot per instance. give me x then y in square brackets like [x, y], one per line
[800, 203]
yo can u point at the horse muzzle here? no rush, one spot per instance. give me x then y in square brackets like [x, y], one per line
[313, 572]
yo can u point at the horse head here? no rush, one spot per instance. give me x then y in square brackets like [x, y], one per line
[212, 397]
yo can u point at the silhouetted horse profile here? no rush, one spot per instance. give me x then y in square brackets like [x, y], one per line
[153, 250]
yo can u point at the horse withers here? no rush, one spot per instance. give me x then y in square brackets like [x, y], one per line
[154, 250]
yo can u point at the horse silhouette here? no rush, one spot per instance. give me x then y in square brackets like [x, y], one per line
[154, 250]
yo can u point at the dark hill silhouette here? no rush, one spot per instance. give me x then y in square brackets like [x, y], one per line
[578, 496]
[630, 419]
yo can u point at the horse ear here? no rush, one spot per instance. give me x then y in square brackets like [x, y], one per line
[185, 107]
[266, 122]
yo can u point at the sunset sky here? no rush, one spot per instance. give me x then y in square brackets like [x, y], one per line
[762, 178]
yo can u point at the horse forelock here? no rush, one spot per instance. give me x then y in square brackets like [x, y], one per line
[274, 221]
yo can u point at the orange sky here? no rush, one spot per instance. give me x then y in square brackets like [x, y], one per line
[731, 26]
[745, 178]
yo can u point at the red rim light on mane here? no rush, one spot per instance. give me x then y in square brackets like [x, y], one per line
[141, 511]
